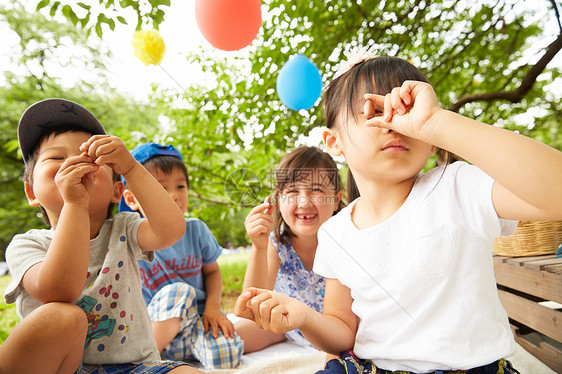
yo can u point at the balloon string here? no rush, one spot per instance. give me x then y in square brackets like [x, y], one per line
[155, 62]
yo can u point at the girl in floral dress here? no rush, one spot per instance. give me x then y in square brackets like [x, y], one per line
[284, 230]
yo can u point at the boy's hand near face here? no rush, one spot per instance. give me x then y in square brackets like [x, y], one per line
[165, 223]
[74, 181]
[109, 150]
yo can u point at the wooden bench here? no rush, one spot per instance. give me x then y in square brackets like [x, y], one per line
[527, 287]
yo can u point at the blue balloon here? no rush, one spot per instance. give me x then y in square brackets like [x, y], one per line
[299, 83]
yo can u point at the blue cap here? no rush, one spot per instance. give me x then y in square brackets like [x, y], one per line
[145, 152]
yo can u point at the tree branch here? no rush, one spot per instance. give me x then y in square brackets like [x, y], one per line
[526, 83]
[460, 48]
[220, 202]
[555, 6]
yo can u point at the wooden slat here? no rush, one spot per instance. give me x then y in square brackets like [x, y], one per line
[538, 277]
[540, 318]
[538, 283]
[500, 259]
[555, 269]
[543, 348]
[541, 264]
[522, 261]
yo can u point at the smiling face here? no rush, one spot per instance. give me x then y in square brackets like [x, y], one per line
[307, 203]
[42, 190]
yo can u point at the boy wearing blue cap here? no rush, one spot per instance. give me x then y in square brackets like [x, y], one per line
[182, 287]
[83, 272]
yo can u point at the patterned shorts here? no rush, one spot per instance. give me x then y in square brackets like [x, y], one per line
[191, 342]
[348, 363]
[152, 367]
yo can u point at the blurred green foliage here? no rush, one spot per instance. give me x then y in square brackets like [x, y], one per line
[8, 317]
[233, 269]
[233, 129]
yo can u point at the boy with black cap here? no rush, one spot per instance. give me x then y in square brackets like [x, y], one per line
[182, 287]
[86, 258]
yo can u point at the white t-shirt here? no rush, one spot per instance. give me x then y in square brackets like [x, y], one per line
[119, 328]
[423, 281]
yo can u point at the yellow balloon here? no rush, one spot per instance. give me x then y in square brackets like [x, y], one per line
[149, 46]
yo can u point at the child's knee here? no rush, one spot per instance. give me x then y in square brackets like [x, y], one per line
[76, 318]
[61, 320]
[173, 300]
[68, 315]
[181, 288]
[177, 291]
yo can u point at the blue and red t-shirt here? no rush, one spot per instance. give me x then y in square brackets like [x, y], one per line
[182, 262]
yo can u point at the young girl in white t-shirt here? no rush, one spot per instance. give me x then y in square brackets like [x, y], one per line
[410, 281]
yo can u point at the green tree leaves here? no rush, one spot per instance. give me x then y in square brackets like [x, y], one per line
[92, 15]
[30, 79]
[490, 60]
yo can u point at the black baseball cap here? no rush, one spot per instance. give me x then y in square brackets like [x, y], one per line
[39, 117]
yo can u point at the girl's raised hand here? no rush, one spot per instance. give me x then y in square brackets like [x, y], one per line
[407, 109]
[271, 311]
[258, 224]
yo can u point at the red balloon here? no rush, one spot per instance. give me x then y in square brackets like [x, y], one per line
[228, 24]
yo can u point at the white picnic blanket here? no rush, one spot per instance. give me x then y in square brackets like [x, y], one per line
[290, 358]
[285, 357]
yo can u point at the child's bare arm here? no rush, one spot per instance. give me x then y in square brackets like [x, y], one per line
[262, 268]
[528, 174]
[165, 222]
[62, 273]
[213, 316]
[333, 332]
[264, 262]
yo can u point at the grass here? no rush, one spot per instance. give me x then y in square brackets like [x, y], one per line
[8, 317]
[233, 268]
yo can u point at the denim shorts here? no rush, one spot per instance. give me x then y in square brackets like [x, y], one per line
[151, 367]
[348, 363]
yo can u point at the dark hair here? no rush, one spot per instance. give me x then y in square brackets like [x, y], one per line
[167, 164]
[445, 157]
[32, 161]
[295, 166]
[377, 75]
